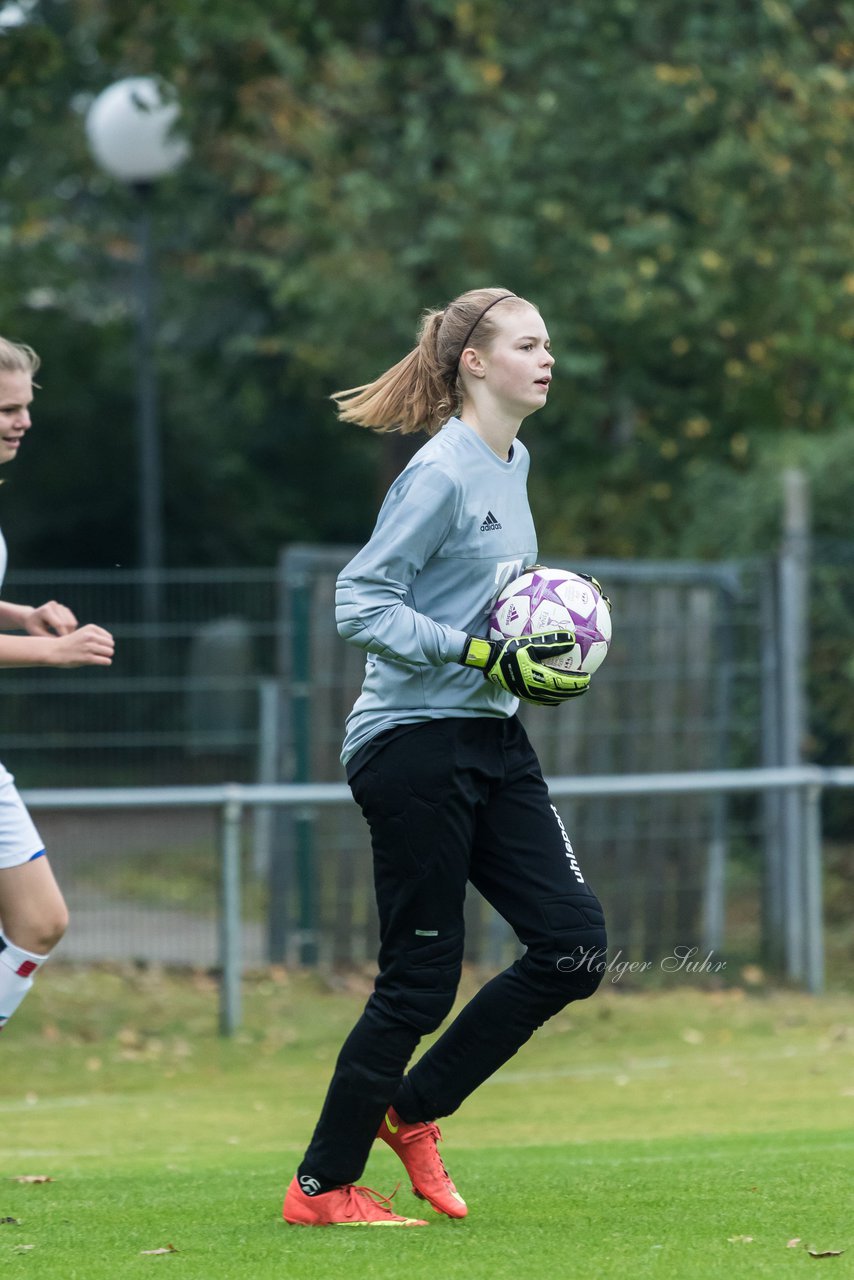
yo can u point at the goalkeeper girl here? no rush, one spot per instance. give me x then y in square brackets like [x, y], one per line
[33, 915]
[440, 764]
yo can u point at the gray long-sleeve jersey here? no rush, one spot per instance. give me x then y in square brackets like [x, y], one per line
[455, 527]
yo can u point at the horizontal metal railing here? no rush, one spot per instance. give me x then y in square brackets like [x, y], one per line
[300, 793]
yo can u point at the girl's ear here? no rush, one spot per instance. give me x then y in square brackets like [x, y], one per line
[470, 362]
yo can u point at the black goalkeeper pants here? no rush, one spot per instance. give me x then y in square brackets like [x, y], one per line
[448, 802]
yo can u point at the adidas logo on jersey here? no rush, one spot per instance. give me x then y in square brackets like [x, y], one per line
[490, 523]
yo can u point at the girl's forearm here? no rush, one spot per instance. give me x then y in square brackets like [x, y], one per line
[27, 651]
[13, 617]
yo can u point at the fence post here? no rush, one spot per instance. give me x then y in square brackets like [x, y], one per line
[266, 771]
[230, 948]
[293, 909]
[714, 888]
[813, 898]
[773, 898]
[300, 694]
[792, 639]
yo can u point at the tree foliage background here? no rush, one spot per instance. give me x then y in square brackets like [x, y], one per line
[672, 183]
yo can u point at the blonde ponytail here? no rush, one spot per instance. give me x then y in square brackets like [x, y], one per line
[423, 390]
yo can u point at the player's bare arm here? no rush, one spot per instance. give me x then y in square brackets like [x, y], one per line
[51, 618]
[89, 646]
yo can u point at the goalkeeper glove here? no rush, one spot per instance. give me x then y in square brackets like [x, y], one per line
[517, 666]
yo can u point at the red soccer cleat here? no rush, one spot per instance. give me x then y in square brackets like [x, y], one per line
[416, 1146]
[348, 1206]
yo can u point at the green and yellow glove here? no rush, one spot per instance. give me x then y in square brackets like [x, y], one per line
[517, 666]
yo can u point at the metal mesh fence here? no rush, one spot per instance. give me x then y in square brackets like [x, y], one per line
[680, 687]
[242, 677]
[681, 690]
[182, 701]
[143, 886]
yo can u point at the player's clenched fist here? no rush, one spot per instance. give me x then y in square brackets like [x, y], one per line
[89, 646]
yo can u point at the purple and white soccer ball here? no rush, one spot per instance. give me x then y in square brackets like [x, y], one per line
[555, 600]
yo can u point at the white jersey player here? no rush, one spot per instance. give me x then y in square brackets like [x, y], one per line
[33, 915]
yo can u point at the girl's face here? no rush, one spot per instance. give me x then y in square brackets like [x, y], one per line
[518, 363]
[16, 396]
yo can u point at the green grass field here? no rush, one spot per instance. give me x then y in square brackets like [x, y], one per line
[678, 1134]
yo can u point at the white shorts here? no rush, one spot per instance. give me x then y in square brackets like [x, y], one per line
[19, 840]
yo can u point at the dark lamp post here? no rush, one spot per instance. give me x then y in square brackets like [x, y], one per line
[130, 129]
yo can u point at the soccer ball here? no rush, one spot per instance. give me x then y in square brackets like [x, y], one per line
[555, 600]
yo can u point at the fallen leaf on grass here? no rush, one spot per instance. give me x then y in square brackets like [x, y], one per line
[825, 1253]
[793, 1244]
[169, 1248]
[23, 1248]
[32, 1177]
[740, 1239]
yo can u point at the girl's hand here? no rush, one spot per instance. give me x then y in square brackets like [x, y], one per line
[88, 646]
[51, 619]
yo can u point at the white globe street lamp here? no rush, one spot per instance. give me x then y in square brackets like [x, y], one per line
[130, 128]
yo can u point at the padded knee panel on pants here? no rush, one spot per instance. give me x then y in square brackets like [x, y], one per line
[420, 985]
[573, 962]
